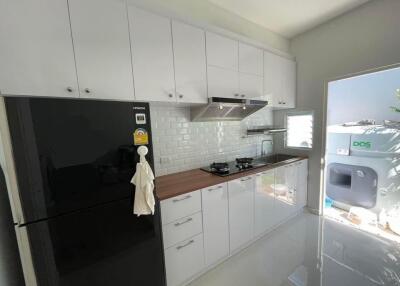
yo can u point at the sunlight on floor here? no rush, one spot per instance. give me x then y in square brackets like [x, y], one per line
[342, 216]
[311, 251]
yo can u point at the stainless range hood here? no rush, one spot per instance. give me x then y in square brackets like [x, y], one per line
[226, 109]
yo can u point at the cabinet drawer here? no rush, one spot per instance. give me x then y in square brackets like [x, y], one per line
[182, 229]
[180, 206]
[184, 260]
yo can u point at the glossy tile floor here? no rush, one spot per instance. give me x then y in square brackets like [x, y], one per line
[311, 251]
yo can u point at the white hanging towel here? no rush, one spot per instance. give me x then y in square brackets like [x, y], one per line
[143, 180]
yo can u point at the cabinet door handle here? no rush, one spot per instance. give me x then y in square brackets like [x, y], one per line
[236, 95]
[183, 222]
[182, 199]
[248, 178]
[213, 189]
[243, 95]
[70, 89]
[181, 96]
[87, 90]
[186, 244]
[170, 95]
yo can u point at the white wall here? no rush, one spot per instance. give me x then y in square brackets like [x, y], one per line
[204, 13]
[365, 38]
[181, 145]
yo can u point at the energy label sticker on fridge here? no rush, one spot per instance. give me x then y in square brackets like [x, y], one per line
[140, 137]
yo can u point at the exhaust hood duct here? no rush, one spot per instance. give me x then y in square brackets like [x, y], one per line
[226, 109]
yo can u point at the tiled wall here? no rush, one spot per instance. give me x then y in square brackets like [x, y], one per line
[180, 144]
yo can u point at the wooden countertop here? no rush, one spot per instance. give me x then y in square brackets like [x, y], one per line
[176, 184]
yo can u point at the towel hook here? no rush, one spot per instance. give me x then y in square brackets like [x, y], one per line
[142, 150]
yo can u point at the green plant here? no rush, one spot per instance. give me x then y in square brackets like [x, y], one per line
[394, 108]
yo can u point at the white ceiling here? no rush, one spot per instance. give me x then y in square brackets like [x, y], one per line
[288, 17]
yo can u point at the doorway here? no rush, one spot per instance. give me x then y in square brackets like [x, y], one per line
[362, 152]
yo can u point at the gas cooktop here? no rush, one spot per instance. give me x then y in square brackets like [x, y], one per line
[243, 164]
[229, 168]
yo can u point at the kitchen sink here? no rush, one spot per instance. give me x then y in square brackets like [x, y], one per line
[272, 159]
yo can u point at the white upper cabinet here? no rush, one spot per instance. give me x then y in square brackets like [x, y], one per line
[153, 65]
[190, 63]
[100, 32]
[250, 60]
[241, 212]
[288, 83]
[251, 71]
[222, 82]
[222, 52]
[250, 86]
[110, 49]
[271, 78]
[36, 53]
[235, 70]
[279, 81]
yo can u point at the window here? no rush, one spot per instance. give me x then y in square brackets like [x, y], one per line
[299, 127]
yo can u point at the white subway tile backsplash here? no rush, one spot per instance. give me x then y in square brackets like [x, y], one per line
[180, 144]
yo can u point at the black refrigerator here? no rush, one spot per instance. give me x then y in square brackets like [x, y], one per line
[74, 160]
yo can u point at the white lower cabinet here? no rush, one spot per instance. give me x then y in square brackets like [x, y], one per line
[204, 227]
[241, 212]
[283, 198]
[180, 206]
[301, 183]
[215, 223]
[291, 180]
[184, 260]
[181, 229]
[264, 202]
[290, 189]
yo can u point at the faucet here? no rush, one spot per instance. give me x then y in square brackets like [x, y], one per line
[271, 142]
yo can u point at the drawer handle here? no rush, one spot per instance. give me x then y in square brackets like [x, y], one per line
[184, 198]
[183, 222]
[243, 180]
[182, 246]
[211, 189]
